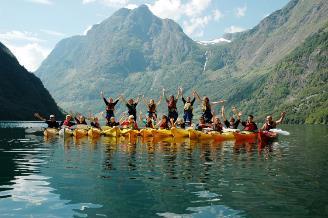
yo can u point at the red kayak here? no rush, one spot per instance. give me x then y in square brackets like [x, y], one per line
[265, 137]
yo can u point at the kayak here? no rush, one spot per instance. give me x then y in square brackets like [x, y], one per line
[48, 132]
[162, 133]
[217, 136]
[266, 136]
[179, 133]
[132, 133]
[113, 132]
[79, 133]
[145, 133]
[94, 132]
[195, 134]
[66, 132]
[245, 135]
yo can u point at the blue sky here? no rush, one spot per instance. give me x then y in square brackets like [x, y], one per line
[31, 28]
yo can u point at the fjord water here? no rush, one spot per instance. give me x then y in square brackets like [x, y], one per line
[102, 178]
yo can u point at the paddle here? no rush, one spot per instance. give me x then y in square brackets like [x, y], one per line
[280, 131]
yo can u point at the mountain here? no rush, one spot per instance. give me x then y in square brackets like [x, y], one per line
[134, 52]
[21, 92]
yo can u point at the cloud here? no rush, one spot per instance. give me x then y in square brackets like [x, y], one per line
[19, 36]
[27, 48]
[53, 33]
[196, 25]
[167, 9]
[217, 15]
[234, 29]
[44, 2]
[30, 55]
[109, 3]
[131, 6]
[241, 11]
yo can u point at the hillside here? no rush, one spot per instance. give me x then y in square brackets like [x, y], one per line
[21, 92]
[134, 52]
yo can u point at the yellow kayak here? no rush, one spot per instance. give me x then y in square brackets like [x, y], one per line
[130, 133]
[113, 132]
[179, 133]
[94, 132]
[49, 132]
[145, 133]
[162, 133]
[66, 132]
[228, 135]
[195, 134]
[79, 133]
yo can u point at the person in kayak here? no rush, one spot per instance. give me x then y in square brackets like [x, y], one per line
[68, 121]
[131, 105]
[202, 124]
[172, 105]
[130, 123]
[148, 121]
[270, 124]
[163, 123]
[95, 123]
[110, 105]
[217, 125]
[80, 120]
[249, 125]
[188, 107]
[207, 107]
[180, 124]
[152, 106]
[112, 122]
[52, 123]
[232, 123]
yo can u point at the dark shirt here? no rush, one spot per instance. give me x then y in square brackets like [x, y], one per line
[110, 106]
[112, 124]
[234, 126]
[95, 125]
[249, 126]
[217, 127]
[52, 124]
[80, 123]
[191, 103]
[132, 109]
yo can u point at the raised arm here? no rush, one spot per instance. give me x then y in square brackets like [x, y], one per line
[217, 102]
[223, 113]
[160, 100]
[137, 100]
[282, 116]
[197, 96]
[37, 115]
[144, 100]
[164, 95]
[103, 97]
[179, 93]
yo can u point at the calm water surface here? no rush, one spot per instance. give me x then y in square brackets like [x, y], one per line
[105, 178]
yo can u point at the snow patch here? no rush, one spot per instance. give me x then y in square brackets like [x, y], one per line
[214, 41]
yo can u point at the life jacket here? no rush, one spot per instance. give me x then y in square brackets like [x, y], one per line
[67, 123]
[206, 107]
[188, 106]
[164, 125]
[217, 127]
[94, 124]
[250, 126]
[152, 108]
[172, 105]
[269, 126]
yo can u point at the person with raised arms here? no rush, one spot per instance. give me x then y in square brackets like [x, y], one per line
[172, 105]
[232, 123]
[152, 106]
[207, 107]
[110, 105]
[249, 124]
[271, 124]
[52, 123]
[188, 108]
[131, 104]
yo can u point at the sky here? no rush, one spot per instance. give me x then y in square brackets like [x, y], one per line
[32, 28]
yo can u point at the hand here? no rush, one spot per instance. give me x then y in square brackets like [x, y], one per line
[163, 89]
[102, 93]
[239, 114]
[222, 101]
[283, 114]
